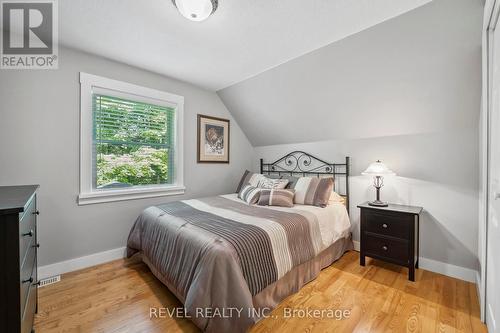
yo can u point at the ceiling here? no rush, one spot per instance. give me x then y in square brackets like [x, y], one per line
[242, 39]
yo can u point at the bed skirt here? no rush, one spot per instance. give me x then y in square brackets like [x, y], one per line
[300, 275]
[273, 294]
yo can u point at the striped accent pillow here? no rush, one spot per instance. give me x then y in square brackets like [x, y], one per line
[244, 180]
[249, 178]
[259, 180]
[313, 191]
[269, 183]
[249, 194]
[276, 197]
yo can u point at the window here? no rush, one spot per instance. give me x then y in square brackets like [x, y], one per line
[130, 141]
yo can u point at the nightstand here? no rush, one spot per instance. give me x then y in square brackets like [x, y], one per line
[390, 234]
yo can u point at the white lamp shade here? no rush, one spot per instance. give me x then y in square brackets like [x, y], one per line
[195, 10]
[378, 169]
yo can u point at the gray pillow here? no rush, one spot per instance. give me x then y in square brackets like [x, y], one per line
[292, 180]
[244, 180]
[249, 194]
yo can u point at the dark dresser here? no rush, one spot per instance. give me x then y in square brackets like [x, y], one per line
[18, 258]
[391, 234]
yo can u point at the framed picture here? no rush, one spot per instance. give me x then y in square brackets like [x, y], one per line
[213, 139]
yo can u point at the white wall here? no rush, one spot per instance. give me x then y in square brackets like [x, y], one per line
[39, 144]
[435, 170]
[483, 160]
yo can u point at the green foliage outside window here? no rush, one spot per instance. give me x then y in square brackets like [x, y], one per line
[131, 142]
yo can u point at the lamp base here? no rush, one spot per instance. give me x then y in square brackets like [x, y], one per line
[378, 203]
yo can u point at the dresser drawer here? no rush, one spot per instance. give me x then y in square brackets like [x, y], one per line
[28, 275]
[29, 311]
[27, 230]
[385, 223]
[387, 248]
[18, 262]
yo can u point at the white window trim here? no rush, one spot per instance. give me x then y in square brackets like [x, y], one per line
[92, 83]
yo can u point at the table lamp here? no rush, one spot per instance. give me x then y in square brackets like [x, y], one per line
[378, 170]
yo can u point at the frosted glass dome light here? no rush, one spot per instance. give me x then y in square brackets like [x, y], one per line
[196, 10]
[378, 169]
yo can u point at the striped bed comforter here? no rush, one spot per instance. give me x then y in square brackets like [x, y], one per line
[219, 252]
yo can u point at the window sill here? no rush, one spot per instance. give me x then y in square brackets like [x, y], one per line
[128, 194]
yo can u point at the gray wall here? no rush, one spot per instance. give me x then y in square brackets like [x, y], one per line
[437, 171]
[406, 91]
[39, 143]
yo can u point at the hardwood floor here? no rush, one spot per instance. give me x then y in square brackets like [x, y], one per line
[117, 296]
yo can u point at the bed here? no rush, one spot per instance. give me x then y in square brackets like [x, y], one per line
[229, 262]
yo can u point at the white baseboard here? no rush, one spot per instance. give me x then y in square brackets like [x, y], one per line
[490, 320]
[480, 296]
[435, 266]
[458, 272]
[80, 263]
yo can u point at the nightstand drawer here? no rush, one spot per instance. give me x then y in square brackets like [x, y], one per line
[385, 223]
[387, 248]
[390, 233]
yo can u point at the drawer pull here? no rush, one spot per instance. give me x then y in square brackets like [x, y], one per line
[30, 280]
[384, 226]
[384, 248]
[36, 212]
[30, 233]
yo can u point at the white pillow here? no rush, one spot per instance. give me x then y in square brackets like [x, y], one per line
[255, 179]
[261, 181]
[335, 197]
[272, 184]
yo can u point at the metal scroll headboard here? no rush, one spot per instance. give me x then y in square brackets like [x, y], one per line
[299, 163]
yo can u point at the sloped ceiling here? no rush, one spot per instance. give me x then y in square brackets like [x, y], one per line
[243, 38]
[416, 73]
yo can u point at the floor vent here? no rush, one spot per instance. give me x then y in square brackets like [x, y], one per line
[50, 280]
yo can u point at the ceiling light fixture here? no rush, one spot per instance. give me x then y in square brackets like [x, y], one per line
[196, 10]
